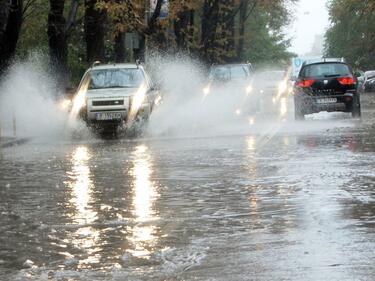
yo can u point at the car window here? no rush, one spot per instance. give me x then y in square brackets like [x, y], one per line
[238, 72]
[325, 70]
[370, 74]
[271, 75]
[225, 73]
[115, 78]
[220, 73]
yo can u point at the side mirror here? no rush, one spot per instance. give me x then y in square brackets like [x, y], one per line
[357, 74]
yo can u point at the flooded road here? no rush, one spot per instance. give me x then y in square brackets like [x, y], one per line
[297, 203]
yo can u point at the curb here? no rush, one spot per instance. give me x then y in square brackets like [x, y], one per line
[9, 142]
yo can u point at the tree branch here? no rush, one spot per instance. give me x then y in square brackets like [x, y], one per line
[72, 16]
[255, 3]
[151, 25]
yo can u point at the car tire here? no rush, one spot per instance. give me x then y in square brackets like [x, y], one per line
[356, 107]
[298, 111]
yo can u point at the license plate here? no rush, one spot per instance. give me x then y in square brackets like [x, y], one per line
[108, 116]
[327, 100]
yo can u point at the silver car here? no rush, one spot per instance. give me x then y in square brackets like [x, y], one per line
[115, 95]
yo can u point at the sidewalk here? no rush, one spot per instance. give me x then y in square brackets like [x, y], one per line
[10, 141]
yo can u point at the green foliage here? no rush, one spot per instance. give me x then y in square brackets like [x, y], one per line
[352, 33]
[264, 40]
[33, 34]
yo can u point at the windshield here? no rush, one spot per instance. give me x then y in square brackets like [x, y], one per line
[229, 72]
[271, 76]
[115, 78]
[325, 70]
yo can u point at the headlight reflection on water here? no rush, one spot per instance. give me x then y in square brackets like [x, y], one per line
[145, 195]
[81, 188]
[283, 107]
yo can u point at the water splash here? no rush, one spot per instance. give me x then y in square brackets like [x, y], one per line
[29, 102]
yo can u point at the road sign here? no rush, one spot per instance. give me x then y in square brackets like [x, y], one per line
[132, 40]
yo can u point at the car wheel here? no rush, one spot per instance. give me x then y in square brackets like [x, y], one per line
[356, 107]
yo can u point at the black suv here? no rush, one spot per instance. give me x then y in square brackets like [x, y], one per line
[326, 85]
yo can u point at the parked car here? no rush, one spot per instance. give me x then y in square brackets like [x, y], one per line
[326, 85]
[369, 81]
[114, 95]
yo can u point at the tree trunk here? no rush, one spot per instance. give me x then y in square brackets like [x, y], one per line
[4, 13]
[10, 26]
[210, 21]
[181, 26]
[120, 47]
[94, 32]
[241, 28]
[57, 40]
[151, 28]
[227, 16]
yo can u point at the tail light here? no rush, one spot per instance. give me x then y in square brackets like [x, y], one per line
[347, 81]
[305, 83]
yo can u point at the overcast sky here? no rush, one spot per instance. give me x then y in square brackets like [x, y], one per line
[311, 19]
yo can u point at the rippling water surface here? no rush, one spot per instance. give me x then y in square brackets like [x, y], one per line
[293, 204]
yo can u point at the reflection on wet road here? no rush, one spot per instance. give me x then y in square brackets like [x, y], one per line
[143, 236]
[291, 202]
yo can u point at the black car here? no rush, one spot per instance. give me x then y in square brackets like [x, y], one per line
[326, 85]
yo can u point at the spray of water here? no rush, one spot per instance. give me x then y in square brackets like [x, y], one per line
[29, 102]
[190, 105]
[193, 107]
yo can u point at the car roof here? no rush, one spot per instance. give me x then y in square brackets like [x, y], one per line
[230, 64]
[116, 66]
[324, 60]
[271, 71]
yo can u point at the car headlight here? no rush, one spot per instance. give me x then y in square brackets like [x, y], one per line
[79, 102]
[145, 105]
[65, 104]
[249, 89]
[157, 100]
[282, 87]
[206, 90]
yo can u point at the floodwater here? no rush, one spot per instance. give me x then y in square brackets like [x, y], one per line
[296, 203]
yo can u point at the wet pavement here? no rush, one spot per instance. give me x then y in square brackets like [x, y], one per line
[293, 203]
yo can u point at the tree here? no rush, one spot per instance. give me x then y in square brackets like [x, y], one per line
[210, 23]
[183, 14]
[57, 36]
[358, 47]
[58, 32]
[95, 19]
[11, 12]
